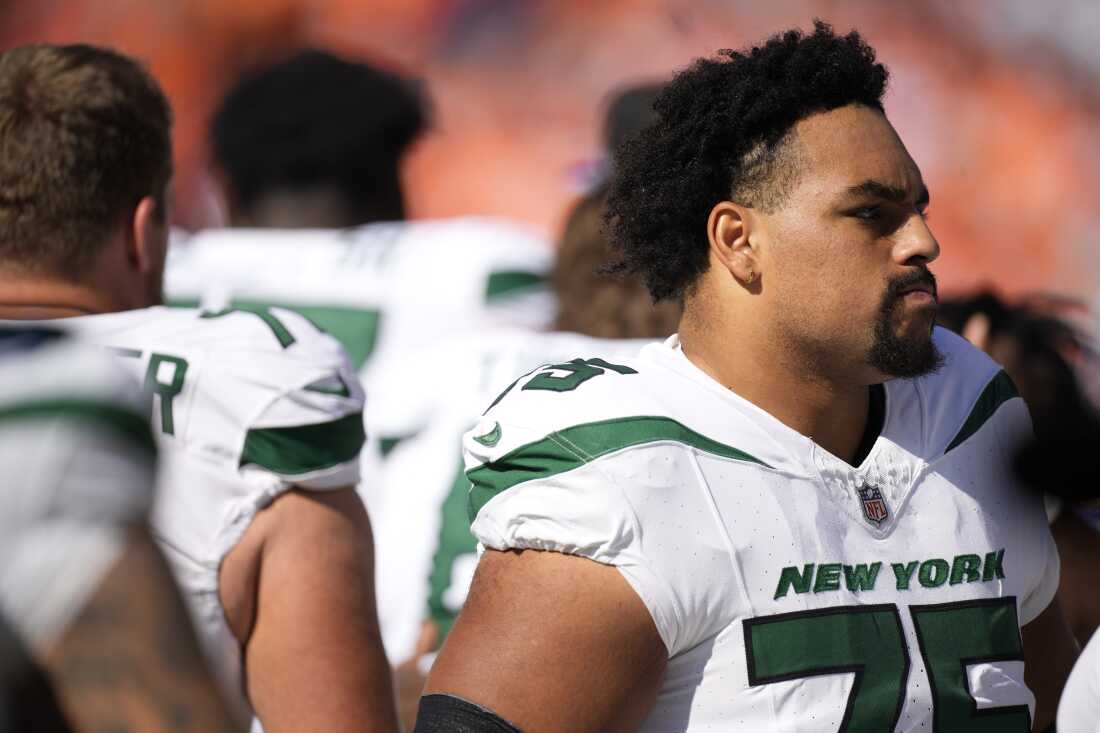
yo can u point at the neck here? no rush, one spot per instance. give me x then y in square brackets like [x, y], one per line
[28, 297]
[315, 208]
[755, 365]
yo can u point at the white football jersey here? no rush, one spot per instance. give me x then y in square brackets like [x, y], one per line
[246, 405]
[794, 592]
[1079, 708]
[79, 463]
[381, 289]
[425, 553]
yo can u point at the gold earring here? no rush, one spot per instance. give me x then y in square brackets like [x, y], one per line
[751, 278]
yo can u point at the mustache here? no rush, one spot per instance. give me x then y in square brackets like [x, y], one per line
[899, 285]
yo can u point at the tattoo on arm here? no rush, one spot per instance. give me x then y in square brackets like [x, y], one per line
[131, 662]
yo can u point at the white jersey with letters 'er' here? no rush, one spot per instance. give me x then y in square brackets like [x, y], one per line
[246, 405]
[79, 462]
[426, 555]
[793, 591]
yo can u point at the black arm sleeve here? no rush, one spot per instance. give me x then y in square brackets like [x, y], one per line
[450, 714]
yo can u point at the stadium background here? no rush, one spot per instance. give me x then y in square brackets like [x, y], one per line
[997, 101]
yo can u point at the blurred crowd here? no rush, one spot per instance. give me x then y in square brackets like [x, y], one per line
[997, 101]
[440, 215]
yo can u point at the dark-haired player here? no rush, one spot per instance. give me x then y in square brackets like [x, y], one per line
[309, 153]
[799, 514]
[432, 555]
[315, 141]
[258, 415]
[310, 150]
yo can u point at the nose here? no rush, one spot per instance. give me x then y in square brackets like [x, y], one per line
[915, 243]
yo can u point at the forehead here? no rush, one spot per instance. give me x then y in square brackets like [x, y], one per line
[846, 146]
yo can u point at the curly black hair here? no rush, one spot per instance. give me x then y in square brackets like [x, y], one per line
[721, 132]
[316, 119]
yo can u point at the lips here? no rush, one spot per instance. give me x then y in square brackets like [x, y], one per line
[920, 281]
[924, 288]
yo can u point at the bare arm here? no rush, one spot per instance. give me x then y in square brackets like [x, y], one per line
[130, 660]
[314, 658]
[1049, 653]
[598, 656]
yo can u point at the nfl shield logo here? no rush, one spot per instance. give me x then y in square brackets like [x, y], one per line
[874, 506]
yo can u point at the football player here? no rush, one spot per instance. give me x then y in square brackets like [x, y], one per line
[94, 634]
[386, 288]
[308, 152]
[799, 513]
[423, 580]
[258, 413]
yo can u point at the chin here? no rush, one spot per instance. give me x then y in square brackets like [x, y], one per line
[905, 354]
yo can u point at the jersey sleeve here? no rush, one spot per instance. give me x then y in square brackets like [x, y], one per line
[598, 490]
[311, 431]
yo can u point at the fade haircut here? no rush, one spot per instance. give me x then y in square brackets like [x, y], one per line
[723, 132]
[85, 134]
[317, 119]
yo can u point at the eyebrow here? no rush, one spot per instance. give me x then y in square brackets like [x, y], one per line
[881, 190]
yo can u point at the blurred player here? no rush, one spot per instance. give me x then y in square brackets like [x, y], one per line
[1063, 462]
[423, 582]
[1038, 351]
[308, 149]
[92, 629]
[411, 402]
[317, 141]
[800, 510]
[258, 414]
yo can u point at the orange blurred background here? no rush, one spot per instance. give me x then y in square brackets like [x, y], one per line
[1004, 126]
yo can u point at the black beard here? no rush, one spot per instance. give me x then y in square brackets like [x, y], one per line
[894, 356]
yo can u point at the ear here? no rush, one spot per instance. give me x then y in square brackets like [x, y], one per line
[148, 236]
[728, 231]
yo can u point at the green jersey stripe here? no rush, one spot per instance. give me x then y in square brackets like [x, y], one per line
[999, 390]
[303, 449]
[280, 331]
[124, 422]
[564, 450]
[356, 329]
[508, 282]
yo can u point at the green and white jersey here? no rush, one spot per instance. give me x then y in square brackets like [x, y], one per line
[793, 591]
[381, 289]
[246, 405]
[79, 463]
[425, 553]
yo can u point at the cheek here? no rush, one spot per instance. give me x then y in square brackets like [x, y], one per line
[830, 285]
